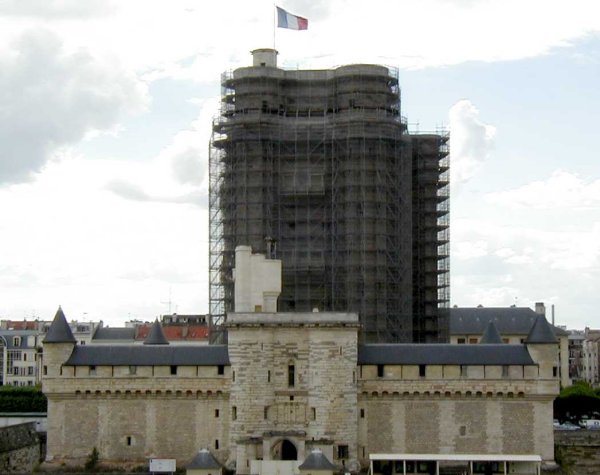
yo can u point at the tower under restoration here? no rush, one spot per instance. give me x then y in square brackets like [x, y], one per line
[317, 168]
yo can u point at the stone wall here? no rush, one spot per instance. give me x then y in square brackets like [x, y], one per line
[19, 448]
[578, 451]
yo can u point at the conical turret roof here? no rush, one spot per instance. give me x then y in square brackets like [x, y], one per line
[541, 332]
[491, 334]
[156, 335]
[316, 460]
[59, 331]
[204, 460]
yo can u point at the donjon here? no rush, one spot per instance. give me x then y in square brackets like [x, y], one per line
[291, 385]
[317, 168]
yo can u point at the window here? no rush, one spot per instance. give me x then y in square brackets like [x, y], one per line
[291, 398]
[129, 440]
[45, 370]
[461, 341]
[233, 413]
[216, 443]
[555, 371]
[233, 375]
[342, 452]
[422, 370]
[17, 341]
[291, 375]
[216, 413]
[464, 371]
[505, 341]
[313, 412]
[24, 356]
[473, 341]
[30, 371]
[505, 371]
[173, 369]
[92, 370]
[380, 371]
[220, 369]
[268, 376]
[266, 413]
[362, 413]
[132, 369]
[463, 430]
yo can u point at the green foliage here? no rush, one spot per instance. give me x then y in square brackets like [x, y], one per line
[22, 399]
[576, 402]
[92, 461]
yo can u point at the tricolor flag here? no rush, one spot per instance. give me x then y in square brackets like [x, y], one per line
[292, 22]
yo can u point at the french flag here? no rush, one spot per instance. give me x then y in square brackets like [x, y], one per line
[292, 22]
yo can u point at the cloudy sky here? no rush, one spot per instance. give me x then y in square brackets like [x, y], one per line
[105, 112]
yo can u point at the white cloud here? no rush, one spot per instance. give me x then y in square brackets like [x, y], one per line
[470, 142]
[52, 98]
[562, 190]
[55, 9]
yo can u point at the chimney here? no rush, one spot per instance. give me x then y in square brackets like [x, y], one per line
[540, 309]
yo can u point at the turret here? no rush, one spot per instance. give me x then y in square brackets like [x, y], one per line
[491, 334]
[542, 345]
[58, 346]
[156, 336]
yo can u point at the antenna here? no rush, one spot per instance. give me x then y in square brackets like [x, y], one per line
[168, 302]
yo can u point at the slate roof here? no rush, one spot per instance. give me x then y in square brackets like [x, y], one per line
[437, 354]
[156, 335]
[8, 336]
[508, 320]
[316, 460]
[59, 331]
[541, 332]
[204, 460]
[491, 335]
[139, 355]
[116, 333]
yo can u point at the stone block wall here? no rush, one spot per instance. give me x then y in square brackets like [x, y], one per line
[20, 448]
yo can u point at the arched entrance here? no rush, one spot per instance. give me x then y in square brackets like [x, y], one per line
[285, 450]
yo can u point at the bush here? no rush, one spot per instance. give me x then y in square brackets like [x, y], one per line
[92, 461]
[22, 399]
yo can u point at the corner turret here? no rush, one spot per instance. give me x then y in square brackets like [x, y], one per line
[58, 346]
[542, 345]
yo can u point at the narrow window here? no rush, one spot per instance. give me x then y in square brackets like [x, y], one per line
[24, 356]
[291, 375]
[422, 370]
[45, 370]
[234, 413]
[92, 369]
[233, 375]
[313, 412]
[220, 369]
[132, 369]
[266, 413]
[555, 371]
[291, 398]
[216, 443]
[173, 369]
[342, 452]
[362, 413]
[380, 371]
[129, 440]
[216, 413]
[505, 371]
[268, 376]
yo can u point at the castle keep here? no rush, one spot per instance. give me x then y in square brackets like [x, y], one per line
[288, 383]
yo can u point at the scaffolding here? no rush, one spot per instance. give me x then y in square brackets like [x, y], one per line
[316, 168]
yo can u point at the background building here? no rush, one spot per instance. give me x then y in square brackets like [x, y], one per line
[467, 324]
[317, 168]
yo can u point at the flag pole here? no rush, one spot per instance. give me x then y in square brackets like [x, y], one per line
[274, 23]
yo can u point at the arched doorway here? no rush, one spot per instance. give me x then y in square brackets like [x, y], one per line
[285, 450]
